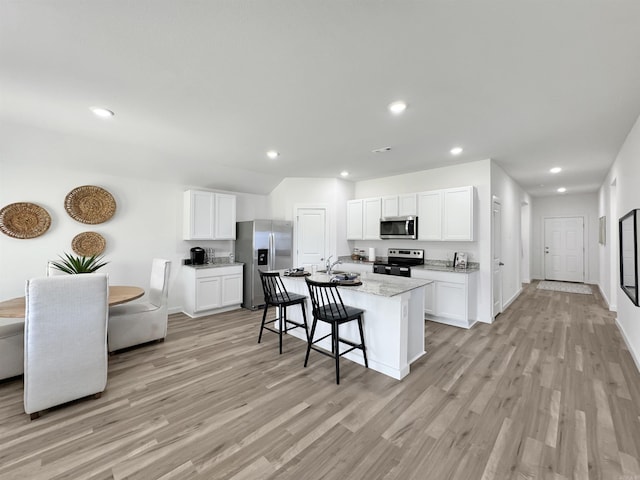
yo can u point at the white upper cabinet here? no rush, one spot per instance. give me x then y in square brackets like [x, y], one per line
[209, 216]
[407, 205]
[354, 220]
[399, 205]
[390, 206]
[458, 221]
[225, 217]
[363, 219]
[372, 208]
[430, 215]
[446, 215]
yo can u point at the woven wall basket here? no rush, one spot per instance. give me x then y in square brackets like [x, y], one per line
[87, 244]
[90, 204]
[24, 220]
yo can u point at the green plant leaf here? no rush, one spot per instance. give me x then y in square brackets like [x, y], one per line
[76, 264]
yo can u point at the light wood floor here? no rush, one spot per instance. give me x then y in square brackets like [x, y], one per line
[548, 391]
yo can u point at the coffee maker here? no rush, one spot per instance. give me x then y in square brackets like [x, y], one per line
[197, 256]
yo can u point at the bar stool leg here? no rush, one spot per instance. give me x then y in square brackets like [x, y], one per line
[304, 321]
[336, 348]
[281, 324]
[364, 348]
[313, 331]
[264, 316]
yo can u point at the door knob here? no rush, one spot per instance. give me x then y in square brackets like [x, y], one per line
[501, 264]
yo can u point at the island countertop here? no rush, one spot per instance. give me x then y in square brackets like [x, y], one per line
[435, 265]
[374, 283]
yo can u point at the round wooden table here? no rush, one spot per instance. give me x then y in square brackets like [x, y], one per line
[118, 294]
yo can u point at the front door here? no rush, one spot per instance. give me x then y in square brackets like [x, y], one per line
[564, 249]
[310, 235]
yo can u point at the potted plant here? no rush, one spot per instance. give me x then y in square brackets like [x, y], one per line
[77, 264]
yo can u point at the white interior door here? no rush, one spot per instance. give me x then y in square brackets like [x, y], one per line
[496, 261]
[311, 237]
[564, 249]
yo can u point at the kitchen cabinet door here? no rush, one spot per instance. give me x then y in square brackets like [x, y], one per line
[198, 215]
[430, 215]
[430, 299]
[231, 289]
[407, 205]
[390, 206]
[354, 220]
[372, 209]
[225, 217]
[458, 224]
[451, 301]
[208, 293]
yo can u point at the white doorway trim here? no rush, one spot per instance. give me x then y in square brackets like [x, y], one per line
[613, 244]
[496, 258]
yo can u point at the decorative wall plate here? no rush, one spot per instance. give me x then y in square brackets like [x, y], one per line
[88, 244]
[90, 204]
[24, 220]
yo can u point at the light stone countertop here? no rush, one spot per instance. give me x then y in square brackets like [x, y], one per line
[214, 265]
[374, 283]
[435, 265]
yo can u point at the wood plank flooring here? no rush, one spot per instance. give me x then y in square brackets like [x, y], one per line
[548, 391]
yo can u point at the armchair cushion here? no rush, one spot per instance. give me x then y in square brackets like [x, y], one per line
[141, 322]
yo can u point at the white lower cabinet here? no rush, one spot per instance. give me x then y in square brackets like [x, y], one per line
[429, 299]
[211, 290]
[451, 298]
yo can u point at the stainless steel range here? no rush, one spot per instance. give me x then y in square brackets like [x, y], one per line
[399, 262]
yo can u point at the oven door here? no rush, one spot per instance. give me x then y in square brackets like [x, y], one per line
[399, 227]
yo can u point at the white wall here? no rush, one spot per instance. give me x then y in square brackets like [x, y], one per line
[474, 173]
[511, 196]
[583, 205]
[625, 174]
[147, 224]
[329, 192]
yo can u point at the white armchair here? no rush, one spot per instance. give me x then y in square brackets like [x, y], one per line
[65, 348]
[11, 347]
[141, 322]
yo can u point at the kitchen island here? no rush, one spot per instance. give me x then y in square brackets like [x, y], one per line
[393, 319]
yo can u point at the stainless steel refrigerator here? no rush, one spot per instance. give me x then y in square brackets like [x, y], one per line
[264, 245]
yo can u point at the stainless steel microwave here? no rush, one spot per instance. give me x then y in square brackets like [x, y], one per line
[399, 227]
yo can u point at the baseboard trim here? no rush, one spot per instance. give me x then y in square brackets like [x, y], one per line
[604, 297]
[632, 351]
[512, 299]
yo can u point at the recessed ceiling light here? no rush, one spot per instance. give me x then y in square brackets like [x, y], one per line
[381, 150]
[561, 190]
[456, 150]
[344, 173]
[272, 154]
[555, 170]
[397, 107]
[102, 112]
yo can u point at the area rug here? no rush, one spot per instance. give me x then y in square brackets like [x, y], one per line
[565, 287]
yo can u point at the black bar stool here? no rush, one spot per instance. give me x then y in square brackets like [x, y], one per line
[328, 307]
[275, 294]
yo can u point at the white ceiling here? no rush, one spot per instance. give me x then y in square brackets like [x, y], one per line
[202, 89]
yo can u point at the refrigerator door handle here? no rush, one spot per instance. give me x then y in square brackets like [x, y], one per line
[271, 252]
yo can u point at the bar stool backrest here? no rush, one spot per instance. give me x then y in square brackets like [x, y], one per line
[273, 288]
[326, 300]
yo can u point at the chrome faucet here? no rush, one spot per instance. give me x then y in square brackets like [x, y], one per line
[329, 266]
